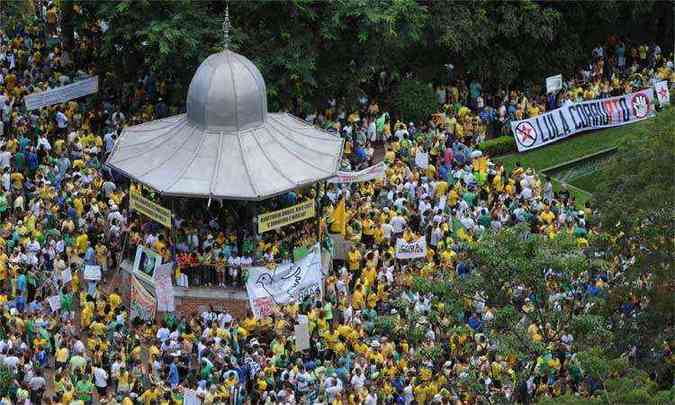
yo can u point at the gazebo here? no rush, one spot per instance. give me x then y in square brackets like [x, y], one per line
[227, 145]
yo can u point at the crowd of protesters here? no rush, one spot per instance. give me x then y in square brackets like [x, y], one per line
[61, 210]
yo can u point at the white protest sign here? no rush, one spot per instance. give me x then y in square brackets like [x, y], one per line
[302, 336]
[662, 92]
[54, 303]
[411, 250]
[61, 94]
[190, 397]
[164, 288]
[289, 281]
[422, 159]
[570, 119]
[554, 84]
[66, 276]
[92, 273]
[373, 172]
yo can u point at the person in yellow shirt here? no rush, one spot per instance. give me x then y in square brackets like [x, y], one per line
[547, 216]
[114, 300]
[358, 298]
[82, 242]
[354, 259]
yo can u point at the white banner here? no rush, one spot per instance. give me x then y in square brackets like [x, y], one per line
[373, 172]
[267, 288]
[54, 302]
[662, 92]
[66, 276]
[61, 94]
[164, 288]
[302, 336]
[142, 304]
[422, 159]
[578, 117]
[411, 250]
[92, 273]
[554, 84]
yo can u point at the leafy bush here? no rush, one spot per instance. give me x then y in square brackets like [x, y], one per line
[6, 380]
[415, 101]
[498, 146]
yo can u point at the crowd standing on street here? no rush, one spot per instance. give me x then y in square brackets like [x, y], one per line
[62, 209]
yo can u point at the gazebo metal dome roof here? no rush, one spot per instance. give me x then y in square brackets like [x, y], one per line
[227, 146]
[227, 92]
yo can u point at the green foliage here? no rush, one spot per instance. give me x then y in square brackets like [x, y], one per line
[308, 51]
[591, 329]
[415, 101]
[594, 363]
[6, 380]
[635, 208]
[498, 146]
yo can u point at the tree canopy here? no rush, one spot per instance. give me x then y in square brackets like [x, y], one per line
[309, 51]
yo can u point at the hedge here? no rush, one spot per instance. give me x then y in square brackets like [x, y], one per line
[415, 101]
[498, 146]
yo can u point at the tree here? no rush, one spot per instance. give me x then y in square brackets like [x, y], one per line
[635, 207]
[415, 101]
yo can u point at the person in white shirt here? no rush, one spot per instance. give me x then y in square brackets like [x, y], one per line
[358, 379]
[101, 381]
[398, 224]
[43, 143]
[61, 120]
[5, 157]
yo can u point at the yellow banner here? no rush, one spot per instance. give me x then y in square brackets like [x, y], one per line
[277, 219]
[150, 209]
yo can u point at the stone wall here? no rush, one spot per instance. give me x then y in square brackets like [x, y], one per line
[189, 306]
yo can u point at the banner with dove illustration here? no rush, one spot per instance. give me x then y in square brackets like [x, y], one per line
[288, 282]
[573, 118]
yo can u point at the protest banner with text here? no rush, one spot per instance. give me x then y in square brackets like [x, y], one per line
[562, 122]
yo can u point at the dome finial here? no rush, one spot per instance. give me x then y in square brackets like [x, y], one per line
[226, 26]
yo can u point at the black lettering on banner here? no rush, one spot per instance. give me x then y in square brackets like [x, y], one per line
[598, 113]
[624, 106]
[594, 111]
[540, 133]
[545, 136]
[554, 125]
[582, 115]
[603, 111]
[571, 110]
[589, 115]
[566, 127]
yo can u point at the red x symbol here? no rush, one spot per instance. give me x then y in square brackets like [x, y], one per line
[525, 133]
[663, 92]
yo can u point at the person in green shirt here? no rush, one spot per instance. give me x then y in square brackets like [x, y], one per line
[20, 160]
[3, 204]
[67, 304]
[84, 389]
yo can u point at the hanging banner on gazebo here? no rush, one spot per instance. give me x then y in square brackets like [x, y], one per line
[146, 263]
[150, 209]
[373, 172]
[562, 122]
[277, 219]
[290, 281]
[143, 304]
[61, 94]
[164, 288]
